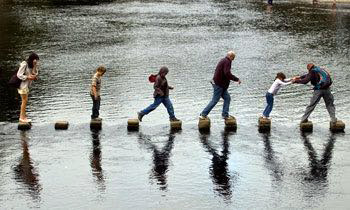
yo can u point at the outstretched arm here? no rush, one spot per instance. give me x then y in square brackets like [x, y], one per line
[229, 75]
[303, 79]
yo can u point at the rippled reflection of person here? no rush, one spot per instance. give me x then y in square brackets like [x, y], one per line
[95, 160]
[27, 72]
[25, 173]
[271, 160]
[160, 158]
[318, 167]
[219, 168]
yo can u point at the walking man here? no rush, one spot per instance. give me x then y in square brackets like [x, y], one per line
[221, 82]
[321, 80]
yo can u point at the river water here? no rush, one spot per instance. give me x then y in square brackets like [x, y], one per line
[154, 168]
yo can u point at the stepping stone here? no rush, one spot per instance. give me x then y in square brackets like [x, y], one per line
[96, 124]
[61, 125]
[338, 126]
[231, 124]
[204, 124]
[175, 125]
[24, 126]
[306, 126]
[264, 125]
[133, 124]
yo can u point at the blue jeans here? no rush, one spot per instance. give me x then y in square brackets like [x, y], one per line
[269, 106]
[157, 101]
[217, 94]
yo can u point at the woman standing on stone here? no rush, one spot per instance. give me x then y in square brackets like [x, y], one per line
[161, 95]
[27, 72]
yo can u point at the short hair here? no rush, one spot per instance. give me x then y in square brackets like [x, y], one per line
[231, 53]
[101, 69]
[310, 66]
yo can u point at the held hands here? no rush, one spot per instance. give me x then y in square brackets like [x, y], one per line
[32, 77]
[294, 79]
[239, 82]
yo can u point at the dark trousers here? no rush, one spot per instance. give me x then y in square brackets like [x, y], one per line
[95, 107]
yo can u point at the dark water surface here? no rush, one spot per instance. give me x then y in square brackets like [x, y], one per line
[155, 168]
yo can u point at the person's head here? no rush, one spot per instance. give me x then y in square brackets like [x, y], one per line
[33, 56]
[163, 71]
[310, 66]
[101, 70]
[231, 55]
[280, 76]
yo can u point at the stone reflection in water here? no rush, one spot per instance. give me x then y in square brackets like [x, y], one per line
[271, 162]
[318, 168]
[25, 173]
[160, 158]
[95, 160]
[219, 168]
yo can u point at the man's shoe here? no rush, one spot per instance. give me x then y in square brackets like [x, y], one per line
[227, 117]
[201, 117]
[304, 121]
[174, 119]
[140, 116]
[97, 119]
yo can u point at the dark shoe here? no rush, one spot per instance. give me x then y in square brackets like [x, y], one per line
[227, 117]
[174, 119]
[140, 116]
[304, 121]
[201, 117]
[334, 122]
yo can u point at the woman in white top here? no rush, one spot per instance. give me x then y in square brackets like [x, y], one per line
[27, 72]
[280, 81]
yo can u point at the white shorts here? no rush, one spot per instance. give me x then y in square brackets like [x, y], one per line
[23, 91]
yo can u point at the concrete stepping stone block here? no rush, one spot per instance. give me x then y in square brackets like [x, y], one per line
[231, 124]
[264, 125]
[96, 124]
[175, 125]
[24, 126]
[306, 126]
[133, 124]
[61, 125]
[204, 124]
[338, 126]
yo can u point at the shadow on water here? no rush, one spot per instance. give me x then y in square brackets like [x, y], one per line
[95, 160]
[271, 161]
[25, 173]
[219, 168]
[160, 158]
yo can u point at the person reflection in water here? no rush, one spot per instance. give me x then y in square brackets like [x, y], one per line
[270, 159]
[160, 159]
[25, 173]
[319, 168]
[218, 170]
[95, 160]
